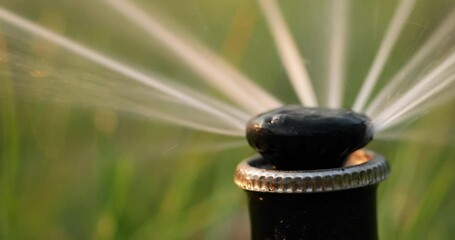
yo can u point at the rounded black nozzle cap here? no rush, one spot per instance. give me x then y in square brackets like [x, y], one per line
[301, 138]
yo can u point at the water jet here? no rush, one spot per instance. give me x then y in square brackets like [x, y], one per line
[311, 180]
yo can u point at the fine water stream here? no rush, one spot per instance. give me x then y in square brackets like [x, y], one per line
[387, 109]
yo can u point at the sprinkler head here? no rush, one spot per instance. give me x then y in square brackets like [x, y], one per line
[300, 138]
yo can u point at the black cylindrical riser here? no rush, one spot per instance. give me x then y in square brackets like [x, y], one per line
[347, 214]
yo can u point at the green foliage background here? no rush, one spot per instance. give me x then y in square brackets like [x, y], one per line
[72, 171]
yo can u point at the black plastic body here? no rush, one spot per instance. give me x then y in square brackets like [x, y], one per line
[347, 214]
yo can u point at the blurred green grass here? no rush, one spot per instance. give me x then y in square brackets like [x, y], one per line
[81, 172]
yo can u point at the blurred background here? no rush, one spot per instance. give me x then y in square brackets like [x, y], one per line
[75, 165]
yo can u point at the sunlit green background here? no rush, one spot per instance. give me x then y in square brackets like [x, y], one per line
[71, 171]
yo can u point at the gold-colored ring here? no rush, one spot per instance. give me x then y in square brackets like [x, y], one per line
[364, 168]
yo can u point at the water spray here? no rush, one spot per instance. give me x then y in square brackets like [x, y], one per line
[312, 179]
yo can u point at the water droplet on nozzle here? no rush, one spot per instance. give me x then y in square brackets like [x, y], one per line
[300, 138]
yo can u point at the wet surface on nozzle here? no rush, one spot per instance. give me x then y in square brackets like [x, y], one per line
[300, 138]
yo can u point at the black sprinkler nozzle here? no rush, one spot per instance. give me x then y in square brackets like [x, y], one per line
[311, 181]
[301, 138]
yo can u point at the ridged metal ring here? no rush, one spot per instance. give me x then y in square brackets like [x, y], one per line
[255, 174]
